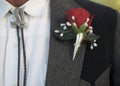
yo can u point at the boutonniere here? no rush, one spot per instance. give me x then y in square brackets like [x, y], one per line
[78, 26]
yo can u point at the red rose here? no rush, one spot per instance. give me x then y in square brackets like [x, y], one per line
[80, 15]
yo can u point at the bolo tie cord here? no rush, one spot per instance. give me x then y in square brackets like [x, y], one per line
[20, 24]
[24, 55]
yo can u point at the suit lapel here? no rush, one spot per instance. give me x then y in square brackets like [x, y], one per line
[62, 71]
[96, 61]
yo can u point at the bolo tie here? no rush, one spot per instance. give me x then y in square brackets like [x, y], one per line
[19, 24]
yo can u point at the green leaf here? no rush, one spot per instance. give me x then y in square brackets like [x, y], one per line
[82, 28]
[92, 37]
[75, 29]
[68, 34]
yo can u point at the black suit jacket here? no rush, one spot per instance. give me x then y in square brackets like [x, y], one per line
[98, 67]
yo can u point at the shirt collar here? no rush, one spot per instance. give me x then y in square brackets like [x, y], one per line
[31, 7]
[4, 8]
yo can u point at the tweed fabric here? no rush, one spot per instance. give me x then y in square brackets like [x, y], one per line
[89, 67]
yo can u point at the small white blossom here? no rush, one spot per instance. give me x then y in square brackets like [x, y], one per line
[95, 40]
[68, 23]
[73, 17]
[91, 27]
[95, 44]
[65, 27]
[91, 31]
[87, 20]
[57, 31]
[62, 24]
[61, 35]
[91, 47]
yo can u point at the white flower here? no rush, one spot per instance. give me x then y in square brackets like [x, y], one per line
[61, 35]
[87, 20]
[91, 27]
[68, 23]
[95, 44]
[62, 24]
[65, 27]
[91, 31]
[57, 31]
[95, 40]
[91, 47]
[73, 17]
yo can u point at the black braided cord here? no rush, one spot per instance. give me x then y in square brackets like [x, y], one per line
[19, 55]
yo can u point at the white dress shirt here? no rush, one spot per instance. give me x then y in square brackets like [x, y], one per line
[36, 43]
